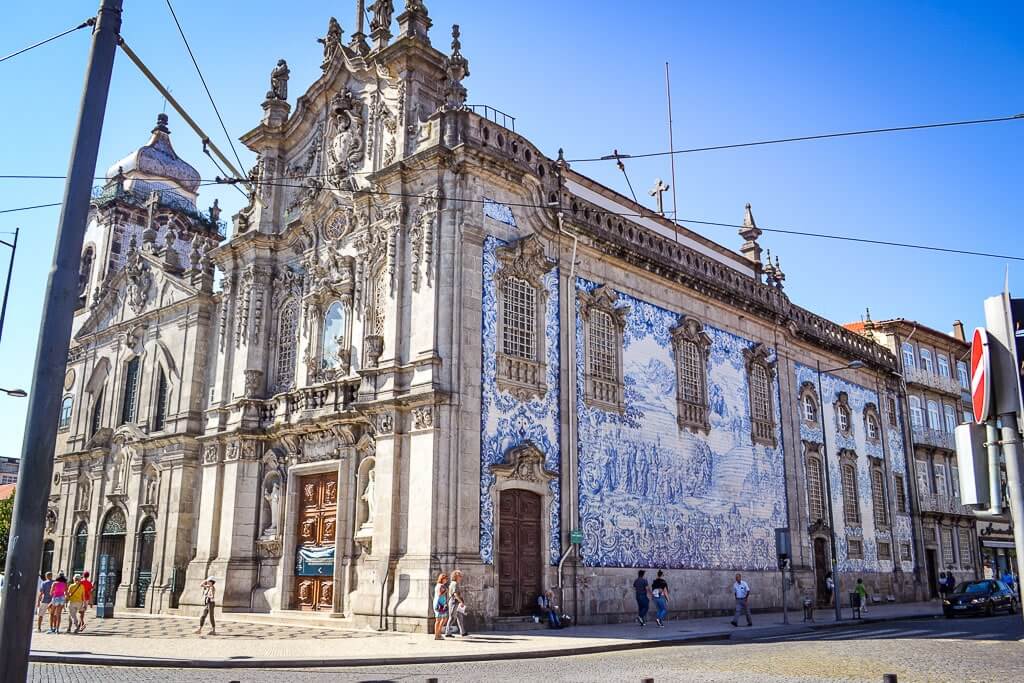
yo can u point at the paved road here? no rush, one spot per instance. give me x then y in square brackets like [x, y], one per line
[938, 650]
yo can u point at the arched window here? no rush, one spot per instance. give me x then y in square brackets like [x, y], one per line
[115, 523]
[46, 564]
[65, 412]
[810, 408]
[759, 378]
[943, 361]
[934, 421]
[878, 497]
[78, 554]
[519, 319]
[815, 489]
[85, 272]
[692, 347]
[333, 340]
[851, 507]
[909, 362]
[287, 329]
[916, 416]
[926, 361]
[871, 424]
[97, 413]
[843, 418]
[131, 391]
[950, 415]
[160, 414]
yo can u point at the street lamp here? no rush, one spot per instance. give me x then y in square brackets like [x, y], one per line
[853, 365]
[16, 393]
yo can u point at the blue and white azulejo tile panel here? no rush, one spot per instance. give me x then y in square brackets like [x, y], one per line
[507, 422]
[653, 495]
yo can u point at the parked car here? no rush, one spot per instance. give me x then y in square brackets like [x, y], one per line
[987, 597]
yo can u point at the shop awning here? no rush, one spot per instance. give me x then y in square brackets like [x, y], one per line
[997, 544]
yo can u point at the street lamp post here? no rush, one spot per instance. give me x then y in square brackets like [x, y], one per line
[828, 479]
[16, 393]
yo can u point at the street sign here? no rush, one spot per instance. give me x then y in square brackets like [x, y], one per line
[576, 537]
[981, 376]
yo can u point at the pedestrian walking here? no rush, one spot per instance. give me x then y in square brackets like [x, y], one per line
[643, 599]
[456, 606]
[440, 605]
[862, 596]
[43, 600]
[76, 602]
[830, 587]
[741, 591]
[58, 597]
[87, 585]
[209, 604]
[659, 589]
[942, 585]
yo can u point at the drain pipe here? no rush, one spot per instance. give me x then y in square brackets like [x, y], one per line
[561, 165]
[383, 587]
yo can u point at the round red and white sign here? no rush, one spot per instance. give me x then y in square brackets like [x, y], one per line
[981, 376]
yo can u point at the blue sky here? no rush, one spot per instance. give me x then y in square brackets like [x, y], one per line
[589, 76]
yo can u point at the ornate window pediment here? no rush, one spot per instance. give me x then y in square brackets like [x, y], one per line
[844, 423]
[604, 325]
[760, 373]
[809, 411]
[872, 423]
[522, 306]
[524, 463]
[692, 348]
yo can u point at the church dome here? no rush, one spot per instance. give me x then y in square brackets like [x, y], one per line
[156, 161]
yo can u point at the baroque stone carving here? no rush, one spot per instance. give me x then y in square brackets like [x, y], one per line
[373, 347]
[308, 173]
[346, 149]
[421, 235]
[253, 382]
[524, 463]
[139, 280]
[321, 445]
[331, 43]
[279, 81]
[385, 423]
[423, 417]
[211, 454]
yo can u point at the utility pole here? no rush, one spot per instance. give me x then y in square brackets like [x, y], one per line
[10, 272]
[36, 470]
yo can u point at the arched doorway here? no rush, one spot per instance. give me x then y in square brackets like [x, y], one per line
[144, 571]
[78, 554]
[519, 551]
[821, 565]
[111, 556]
[46, 565]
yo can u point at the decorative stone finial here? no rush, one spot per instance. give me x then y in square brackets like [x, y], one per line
[161, 124]
[215, 212]
[171, 259]
[780, 277]
[195, 255]
[751, 249]
[769, 270]
[456, 68]
[358, 42]
[279, 81]
[414, 22]
[119, 182]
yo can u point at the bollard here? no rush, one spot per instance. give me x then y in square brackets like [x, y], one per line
[647, 680]
[889, 678]
[431, 680]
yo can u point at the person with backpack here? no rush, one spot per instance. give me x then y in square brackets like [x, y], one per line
[642, 592]
[659, 589]
[43, 598]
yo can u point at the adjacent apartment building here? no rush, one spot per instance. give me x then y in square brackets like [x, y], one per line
[936, 386]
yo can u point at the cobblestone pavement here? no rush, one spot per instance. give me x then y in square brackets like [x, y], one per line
[987, 650]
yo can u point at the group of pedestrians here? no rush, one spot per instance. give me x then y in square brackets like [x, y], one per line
[54, 595]
[657, 591]
[449, 606]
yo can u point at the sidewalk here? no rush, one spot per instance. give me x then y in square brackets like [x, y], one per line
[161, 641]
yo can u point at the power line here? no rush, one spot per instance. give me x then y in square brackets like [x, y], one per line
[88, 22]
[205, 87]
[28, 208]
[803, 138]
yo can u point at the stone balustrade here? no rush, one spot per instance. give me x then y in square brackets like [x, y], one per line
[305, 403]
[943, 505]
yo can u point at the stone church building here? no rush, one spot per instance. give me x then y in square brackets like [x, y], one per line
[428, 345]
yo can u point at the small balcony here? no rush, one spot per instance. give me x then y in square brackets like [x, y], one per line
[933, 437]
[947, 385]
[944, 505]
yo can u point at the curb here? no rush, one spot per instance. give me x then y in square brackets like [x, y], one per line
[253, 663]
[167, 663]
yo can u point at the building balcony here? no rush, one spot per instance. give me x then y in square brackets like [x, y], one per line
[944, 505]
[947, 385]
[933, 437]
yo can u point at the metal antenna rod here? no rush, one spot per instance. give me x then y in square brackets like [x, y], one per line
[10, 271]
[672, 157]
[36, 469]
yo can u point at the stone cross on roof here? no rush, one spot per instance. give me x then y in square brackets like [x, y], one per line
[659, 190]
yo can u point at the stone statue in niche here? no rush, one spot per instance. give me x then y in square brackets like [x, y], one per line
[369, 491]
[279, 81]
[272, 498]
[151, 491]
[83, 494]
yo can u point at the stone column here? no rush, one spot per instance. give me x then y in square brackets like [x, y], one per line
[209, 524]
[235, 566]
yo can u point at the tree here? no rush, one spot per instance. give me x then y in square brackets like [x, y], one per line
[6, 512]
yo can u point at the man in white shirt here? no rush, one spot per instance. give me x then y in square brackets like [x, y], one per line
[741, 591]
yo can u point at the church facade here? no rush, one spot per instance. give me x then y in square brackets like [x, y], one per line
[432, 346]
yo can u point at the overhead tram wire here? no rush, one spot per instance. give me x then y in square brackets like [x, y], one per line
[803, 138]
[199, 71]
[88, 22]
[29, 208]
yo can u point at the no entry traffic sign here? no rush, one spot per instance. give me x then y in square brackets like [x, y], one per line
[981, 376]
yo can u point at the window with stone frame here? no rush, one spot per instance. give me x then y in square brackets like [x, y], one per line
[809, 404]
[65, 413]
[760, 374]
[890, 411]
[815, 488]
[844, 423]
[934, 420]
[926, 361]
[334, 346]
[884, 551]
[287, 342]
[160, 412]
[962, 375]
[901, 493]
[905, 555]
[692, 348]
[522, 306]
[878, 501]
[949, 412]
[909, 361]
[966, 548]
[96, 419]
[916, 414]
[948, 558]
[851, 502]
[855, 549]
[872, 426]
[130, 400]
[604, 325]
[943, 361]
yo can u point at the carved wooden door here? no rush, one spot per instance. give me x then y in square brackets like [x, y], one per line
[519, 551]
[317, 527]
